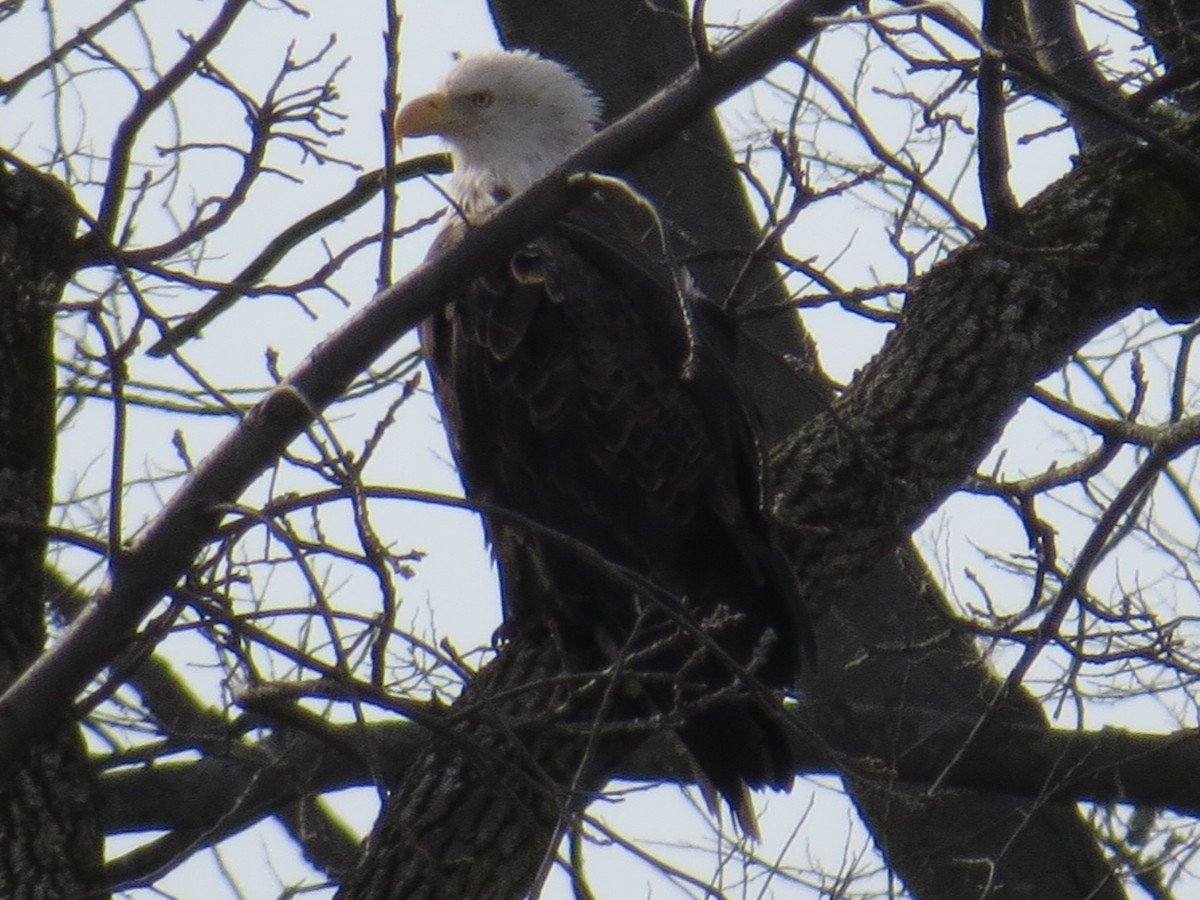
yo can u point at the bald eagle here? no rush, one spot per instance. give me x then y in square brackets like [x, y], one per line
[588, 391]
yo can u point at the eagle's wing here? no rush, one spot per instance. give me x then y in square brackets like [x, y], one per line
[565, 384]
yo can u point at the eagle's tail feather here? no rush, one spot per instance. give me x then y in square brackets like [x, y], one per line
[737, 745]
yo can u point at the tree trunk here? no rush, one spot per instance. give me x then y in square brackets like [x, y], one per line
[951, 844]
[50, 844]
[479, 813]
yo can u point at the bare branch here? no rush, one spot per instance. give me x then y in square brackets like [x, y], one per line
[85, 36]
[149, 101]
[365, 188]
[1059, 46]
[998, 199]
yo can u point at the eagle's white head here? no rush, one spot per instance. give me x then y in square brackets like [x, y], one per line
[509, 117]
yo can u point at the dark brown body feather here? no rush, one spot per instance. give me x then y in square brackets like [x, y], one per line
[561, 382]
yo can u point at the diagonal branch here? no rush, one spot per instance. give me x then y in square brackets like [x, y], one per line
[9, 88]
[152, 566]
[976, 334]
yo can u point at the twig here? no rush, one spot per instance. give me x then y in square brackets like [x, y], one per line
[149, 101]
[364, 190]
[85, 35]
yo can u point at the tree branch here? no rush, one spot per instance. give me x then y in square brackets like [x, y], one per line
[1060, 48]
[977, 332]
[1107, 766]
[149, 569]
[9, 88]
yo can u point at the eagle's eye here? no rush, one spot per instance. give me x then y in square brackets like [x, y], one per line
[481, 99]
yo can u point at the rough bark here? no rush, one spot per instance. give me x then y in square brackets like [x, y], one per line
[479, 813]
[50, 845]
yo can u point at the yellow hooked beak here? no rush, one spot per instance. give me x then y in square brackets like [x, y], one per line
[426, 115]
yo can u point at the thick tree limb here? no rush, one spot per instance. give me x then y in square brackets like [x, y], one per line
[862, 475]
[1107, 766]
[1172, 28]
[999, 203]
[480, 813]
[976, 334]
